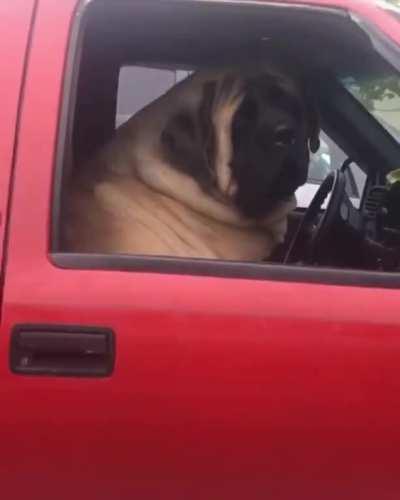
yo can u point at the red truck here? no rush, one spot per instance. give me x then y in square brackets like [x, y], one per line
[142, 377]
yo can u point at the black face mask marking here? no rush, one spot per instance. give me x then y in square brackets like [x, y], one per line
[188, 141]
[271, 134]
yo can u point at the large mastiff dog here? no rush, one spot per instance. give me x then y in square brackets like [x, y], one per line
[207, 170]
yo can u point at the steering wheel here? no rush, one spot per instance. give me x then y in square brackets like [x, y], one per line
[311, 232]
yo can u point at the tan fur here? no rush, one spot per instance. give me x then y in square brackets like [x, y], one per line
[142, 205]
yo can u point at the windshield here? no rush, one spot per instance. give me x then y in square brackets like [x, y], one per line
[380, 96]
[377, 87]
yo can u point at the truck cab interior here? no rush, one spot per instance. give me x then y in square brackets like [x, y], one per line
[124, 54]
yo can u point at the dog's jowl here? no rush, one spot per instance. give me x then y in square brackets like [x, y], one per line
[207, 170]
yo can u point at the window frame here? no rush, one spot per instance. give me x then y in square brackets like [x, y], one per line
[175, 265]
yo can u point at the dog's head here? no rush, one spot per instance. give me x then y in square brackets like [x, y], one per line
[249, 141]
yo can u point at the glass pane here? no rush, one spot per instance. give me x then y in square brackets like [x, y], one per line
[328, 158]
[138, 86]
[381, 97]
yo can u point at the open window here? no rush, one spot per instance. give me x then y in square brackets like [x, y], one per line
[124, 55]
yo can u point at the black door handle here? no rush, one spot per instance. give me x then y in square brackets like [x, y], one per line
[62, 351]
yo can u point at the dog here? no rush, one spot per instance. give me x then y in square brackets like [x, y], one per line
[208, 170]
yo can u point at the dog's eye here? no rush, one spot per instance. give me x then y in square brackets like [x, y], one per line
[284, 136]
[249, 110]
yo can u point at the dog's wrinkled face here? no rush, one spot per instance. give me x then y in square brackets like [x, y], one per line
[272, 126]
[273, 131]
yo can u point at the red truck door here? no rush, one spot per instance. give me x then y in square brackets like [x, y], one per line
[16, 18]
[196, 387]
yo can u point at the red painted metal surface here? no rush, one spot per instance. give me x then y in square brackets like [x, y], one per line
[15, 18]
[365, 9]
[223, 388]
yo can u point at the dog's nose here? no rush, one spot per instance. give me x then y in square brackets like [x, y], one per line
[284, 136]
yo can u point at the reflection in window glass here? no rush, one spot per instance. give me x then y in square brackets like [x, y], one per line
[381, 97]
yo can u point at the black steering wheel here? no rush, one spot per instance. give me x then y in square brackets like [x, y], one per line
[313, 230]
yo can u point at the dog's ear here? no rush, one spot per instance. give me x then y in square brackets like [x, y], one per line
[179, 135]
[187, 139]
[314, 127]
